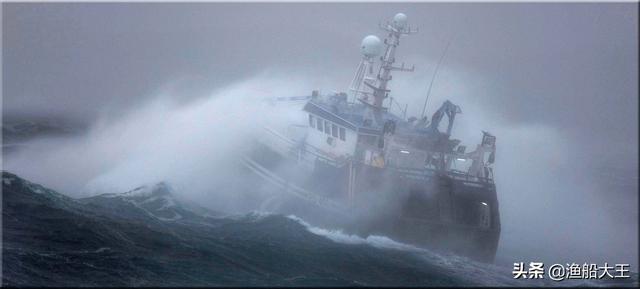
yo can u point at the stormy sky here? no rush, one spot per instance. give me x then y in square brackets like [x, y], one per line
[570, 69]
[569, 65]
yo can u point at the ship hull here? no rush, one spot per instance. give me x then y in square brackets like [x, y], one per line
[434, 211]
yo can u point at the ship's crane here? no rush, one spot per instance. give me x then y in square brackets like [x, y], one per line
[479, 167]
[450, 110]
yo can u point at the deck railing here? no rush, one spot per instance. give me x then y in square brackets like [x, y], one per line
[418, 173]
[426, 173]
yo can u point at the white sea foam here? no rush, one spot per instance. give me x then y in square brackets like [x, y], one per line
[7, 181]
[255, 215]
[342, 237]
[449, 264]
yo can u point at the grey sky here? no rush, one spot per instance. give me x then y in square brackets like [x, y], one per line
[569, 65]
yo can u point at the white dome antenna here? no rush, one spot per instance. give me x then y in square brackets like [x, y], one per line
[397, 27]
[371, 46]
[400, 21]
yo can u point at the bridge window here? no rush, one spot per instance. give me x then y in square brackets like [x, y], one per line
[327, 128]
[312, 121]
[343, 134]
[319, 123]
[334, 130]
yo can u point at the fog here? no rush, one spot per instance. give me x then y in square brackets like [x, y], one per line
[178, 100]
[195, 147]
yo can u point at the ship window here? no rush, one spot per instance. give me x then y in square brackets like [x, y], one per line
[334, 130]
[343, 134]
[327, 128]
[312, 121]
[319, 124]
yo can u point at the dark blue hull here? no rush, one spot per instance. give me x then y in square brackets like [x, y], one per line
[433, 210]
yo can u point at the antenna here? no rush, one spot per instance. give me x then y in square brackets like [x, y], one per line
[433, 78]
[396, 28]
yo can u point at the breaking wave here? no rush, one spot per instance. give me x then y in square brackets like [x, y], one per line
[341, 237]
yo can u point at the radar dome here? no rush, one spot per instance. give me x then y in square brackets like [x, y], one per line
[400, 21]
[371, 46]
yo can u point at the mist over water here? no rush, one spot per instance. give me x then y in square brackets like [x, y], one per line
[193, 146]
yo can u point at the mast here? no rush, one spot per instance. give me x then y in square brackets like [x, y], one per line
[396, 28]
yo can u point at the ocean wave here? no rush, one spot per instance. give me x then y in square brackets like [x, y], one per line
[448, 265]
[253, 216]
[339, 236]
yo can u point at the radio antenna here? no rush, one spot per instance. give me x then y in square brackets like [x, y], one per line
[426, 101]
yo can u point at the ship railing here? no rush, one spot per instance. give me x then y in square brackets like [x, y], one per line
[459, 175]
[297, 149]
[426, 173]
[292, 188]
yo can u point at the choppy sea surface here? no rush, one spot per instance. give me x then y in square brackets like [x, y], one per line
[146, 237]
